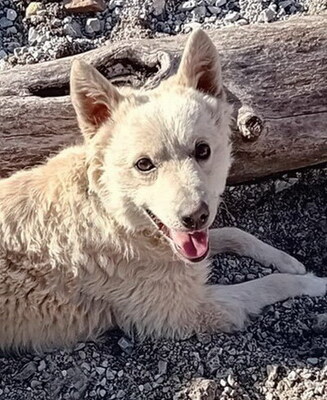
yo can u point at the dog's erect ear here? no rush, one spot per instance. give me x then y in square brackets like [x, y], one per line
[200, 66]
[93, 97]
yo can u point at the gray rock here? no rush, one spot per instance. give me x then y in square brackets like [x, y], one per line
[32, 36]
[116, 3]
[162, 367]
[214, 10]
[267, 15]
[187, 5]
[126, 345]
[220, 3]
[27, 372]
[12, 46]
[11, 14]
[158, 7]
[121, 393]
[199, 12]
[92, 25]
[285, 3]
[232, 16]
[312, 360]
[5, 23]
[281, 185]
[73, 29]
[12, 30]
[3, 54]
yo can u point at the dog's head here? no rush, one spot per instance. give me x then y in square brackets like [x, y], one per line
[159, 159]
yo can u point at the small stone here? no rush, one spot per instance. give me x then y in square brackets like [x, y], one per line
[223, 383]
[42, 364]
[126, 345]
[147, 387]
[313, 361]
[232, 16]
[85, 6]
[27, 372]
[35, 384]
[11, 14]
[281, 185]
[120, 394]
[200, 389]
[162, 367]
[320, 325]
[110, 376]
[158, 7]
[267, 15]
[199, 12]
[5, 23]
[214, 10]
[86, 366]
[41, 13]
[79, 346]
[115, 3]
[285, 3]
[32, 36]
[272, 372]
[3, 54]
[220, 3]
[231, 381]
[33, 8]
[242, 22]
[100, 370]
[73, 29]
[92, 25]
[102, 392]
[292, 376]
[204, 338]
[187, 5]
[12, 30]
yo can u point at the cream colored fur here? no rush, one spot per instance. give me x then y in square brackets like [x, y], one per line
[79, 254]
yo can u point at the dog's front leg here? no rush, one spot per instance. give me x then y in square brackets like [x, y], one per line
[235, 240]
[231, 305]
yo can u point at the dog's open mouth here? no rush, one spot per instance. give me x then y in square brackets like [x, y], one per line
[192, 246]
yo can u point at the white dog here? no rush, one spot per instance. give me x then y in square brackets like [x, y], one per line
[115, 232]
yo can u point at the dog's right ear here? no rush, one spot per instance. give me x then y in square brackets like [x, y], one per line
[93, 97]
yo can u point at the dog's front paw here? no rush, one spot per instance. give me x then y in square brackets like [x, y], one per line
[314, 285]
[287, 264]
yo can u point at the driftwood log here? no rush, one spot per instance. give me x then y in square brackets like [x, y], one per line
[276, 76]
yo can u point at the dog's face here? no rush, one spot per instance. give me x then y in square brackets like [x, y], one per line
[159, 159]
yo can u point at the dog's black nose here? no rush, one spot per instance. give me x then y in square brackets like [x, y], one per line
[197, 219]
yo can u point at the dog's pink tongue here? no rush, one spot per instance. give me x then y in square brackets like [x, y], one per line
[191, 245]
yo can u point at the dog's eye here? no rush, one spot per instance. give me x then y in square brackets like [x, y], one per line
[145, 165]
[202, 151]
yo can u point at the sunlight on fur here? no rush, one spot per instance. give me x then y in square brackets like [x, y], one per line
[115, 232]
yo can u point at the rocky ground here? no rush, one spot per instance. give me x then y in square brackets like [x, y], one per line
[282, 355]
[31, 32]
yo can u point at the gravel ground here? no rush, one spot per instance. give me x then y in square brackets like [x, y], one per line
[31, 32]
[280, 356]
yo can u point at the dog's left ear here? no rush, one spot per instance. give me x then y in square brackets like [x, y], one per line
[93, 97]
[200, 66]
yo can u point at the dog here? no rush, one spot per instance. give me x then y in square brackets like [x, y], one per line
[115, 232]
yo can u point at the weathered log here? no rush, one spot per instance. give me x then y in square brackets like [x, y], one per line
[276, 76]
